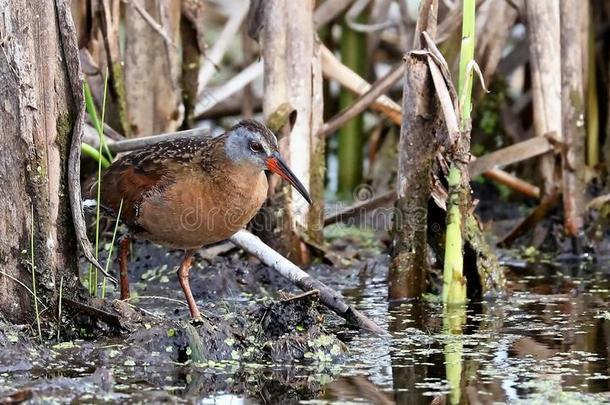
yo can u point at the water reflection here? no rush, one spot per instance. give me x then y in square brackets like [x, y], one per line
[549, 341]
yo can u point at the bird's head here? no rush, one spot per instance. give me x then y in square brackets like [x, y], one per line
[251, 143]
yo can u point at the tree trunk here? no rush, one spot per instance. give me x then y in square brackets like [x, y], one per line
[37, 116]
[573, 109]
[417, 147]
[293, 83]
[545, 54]
[152, 66]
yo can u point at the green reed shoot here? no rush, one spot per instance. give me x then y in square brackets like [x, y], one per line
[92, 111]
[454, 285]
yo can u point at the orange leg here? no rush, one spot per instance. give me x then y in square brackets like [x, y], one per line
[123, 261]
[183, 277]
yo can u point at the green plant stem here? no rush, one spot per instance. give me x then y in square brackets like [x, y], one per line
[93, 275]
[33, 267]
[454, 317]
[92, 111]
[350, 152]
[94, 154]
[466, 56]
[454, 284]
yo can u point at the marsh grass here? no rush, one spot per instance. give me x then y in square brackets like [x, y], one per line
[59, 303]
[114, 233]
[103, 147]
[33, 268]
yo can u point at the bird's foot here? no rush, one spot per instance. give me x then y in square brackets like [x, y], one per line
[197, 321]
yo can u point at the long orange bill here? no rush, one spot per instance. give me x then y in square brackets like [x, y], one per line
[279, 167]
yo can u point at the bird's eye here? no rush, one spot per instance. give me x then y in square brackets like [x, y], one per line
[256, 147]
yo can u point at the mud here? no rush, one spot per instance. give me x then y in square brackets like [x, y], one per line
[546, 341]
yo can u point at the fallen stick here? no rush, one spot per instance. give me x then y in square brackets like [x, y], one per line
[358, 209]
[377, 89]
[209, 98]
[330, 298]
[335, 70]
[518, 152]
[513, 182]
[538, 214]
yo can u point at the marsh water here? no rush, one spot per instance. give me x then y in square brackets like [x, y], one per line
[548, 341]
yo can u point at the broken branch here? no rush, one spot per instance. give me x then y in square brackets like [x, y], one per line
[330, 298]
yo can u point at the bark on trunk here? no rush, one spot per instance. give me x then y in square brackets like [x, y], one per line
[572, 103]
[193, 45]
[545, 54]
[293, 82]
[417, 147]
[152, 66]
[37, 116]
[409, 266]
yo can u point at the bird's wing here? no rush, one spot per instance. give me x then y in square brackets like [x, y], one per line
[151, 169]
[129, 179]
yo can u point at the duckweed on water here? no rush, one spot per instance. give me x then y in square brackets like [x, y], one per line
[544, 344]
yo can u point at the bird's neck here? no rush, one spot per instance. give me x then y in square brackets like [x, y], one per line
[240, 174]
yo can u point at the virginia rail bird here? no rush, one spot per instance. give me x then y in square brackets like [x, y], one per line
[191, 192]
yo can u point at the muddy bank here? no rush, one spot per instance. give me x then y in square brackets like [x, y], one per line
[253, 319]
[260, 337]
[229, 352]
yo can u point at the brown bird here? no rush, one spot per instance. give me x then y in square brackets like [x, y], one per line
[191, 192]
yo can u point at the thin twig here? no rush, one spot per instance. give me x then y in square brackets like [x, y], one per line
[26, 288]
[212, 58]
[328, 11]
[377, 89]
[356, 209]
[537, 215]
[154, 297]
[151, 21]
[210, 98]
[513, 182]
[334, 69]
[352, 15]
[518, 152]
[108, 260]
[61, 289]
[71, 59]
